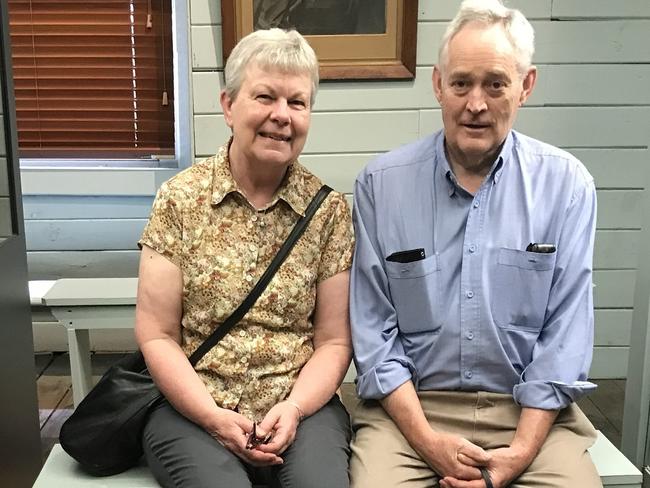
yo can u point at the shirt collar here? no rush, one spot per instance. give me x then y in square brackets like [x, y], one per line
[292, 190]
[494, 173]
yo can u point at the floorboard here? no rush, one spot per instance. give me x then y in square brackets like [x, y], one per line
[42, 361]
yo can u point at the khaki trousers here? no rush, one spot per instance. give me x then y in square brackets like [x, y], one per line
[382, 458]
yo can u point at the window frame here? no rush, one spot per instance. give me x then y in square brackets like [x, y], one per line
[45, 176]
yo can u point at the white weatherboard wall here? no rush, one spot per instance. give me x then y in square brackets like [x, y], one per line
[592, 99]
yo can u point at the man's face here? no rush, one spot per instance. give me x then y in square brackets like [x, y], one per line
[479, 90]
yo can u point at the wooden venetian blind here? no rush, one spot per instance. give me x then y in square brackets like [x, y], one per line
[93, 78]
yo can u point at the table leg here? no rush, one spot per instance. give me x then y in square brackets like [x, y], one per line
[79, 350]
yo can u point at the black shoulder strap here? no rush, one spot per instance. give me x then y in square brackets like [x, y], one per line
[264, 280]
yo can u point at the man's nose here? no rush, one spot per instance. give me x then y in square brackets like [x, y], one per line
[476, 100]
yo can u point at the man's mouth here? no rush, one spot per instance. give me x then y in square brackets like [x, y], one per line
[275, 137]
[476, 126]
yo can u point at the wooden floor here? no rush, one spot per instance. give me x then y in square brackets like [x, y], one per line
[604, 407]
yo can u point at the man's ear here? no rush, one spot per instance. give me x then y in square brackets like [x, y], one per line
[226, 105]
[528, 84]
[437, 82]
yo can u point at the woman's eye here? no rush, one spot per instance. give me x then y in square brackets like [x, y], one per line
[298, 103]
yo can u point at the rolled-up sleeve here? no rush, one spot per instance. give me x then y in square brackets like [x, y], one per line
[557, 374]
[380, 360]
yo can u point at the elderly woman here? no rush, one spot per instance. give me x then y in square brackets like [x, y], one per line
[213, 230]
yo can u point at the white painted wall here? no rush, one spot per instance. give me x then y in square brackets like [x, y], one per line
[592, 99]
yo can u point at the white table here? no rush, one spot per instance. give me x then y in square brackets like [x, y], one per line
[82, 304]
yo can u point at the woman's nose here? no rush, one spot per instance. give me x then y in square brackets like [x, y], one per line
[280, 112]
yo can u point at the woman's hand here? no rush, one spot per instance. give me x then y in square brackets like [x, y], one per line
[231, 430]
[283, 421]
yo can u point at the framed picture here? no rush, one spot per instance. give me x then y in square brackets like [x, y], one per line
[354, 39]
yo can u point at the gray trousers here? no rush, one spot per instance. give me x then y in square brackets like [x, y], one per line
[181, 454]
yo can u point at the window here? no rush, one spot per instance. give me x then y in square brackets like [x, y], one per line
[94, 79]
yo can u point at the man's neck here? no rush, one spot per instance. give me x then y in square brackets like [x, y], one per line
[470, 173]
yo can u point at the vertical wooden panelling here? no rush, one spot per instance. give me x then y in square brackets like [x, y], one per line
[4, 178]
[5, 217]
[5, 208]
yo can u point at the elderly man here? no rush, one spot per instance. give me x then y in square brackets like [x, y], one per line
[471, 299]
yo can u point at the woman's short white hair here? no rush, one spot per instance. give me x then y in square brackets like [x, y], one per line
[286, 51]
[518, 30]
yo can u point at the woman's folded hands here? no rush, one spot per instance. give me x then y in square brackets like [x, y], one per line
[232, 430]
[282, 421]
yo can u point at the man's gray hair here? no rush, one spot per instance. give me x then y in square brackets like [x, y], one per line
[518, 30]
[286, 51]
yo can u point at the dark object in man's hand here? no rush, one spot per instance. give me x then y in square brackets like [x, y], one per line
[486, 478]
[254, 441]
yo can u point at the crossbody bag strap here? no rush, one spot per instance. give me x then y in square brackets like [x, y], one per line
[238, 314]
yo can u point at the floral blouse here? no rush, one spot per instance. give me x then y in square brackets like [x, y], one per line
[204, 224]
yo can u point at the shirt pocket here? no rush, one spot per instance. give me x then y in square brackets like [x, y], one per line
[522, 283]
[415, 290]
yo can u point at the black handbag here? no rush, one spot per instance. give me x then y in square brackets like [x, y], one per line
[104, 433]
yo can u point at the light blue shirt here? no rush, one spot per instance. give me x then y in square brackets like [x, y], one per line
[479, 312]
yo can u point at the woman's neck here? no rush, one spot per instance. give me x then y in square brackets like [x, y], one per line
[258, 182]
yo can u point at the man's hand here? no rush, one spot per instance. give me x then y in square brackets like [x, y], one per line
[282, 420]
[231, 430]
[453, 456]
[505, 465]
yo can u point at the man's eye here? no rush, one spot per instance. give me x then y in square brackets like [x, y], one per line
[458, 84]
[497, 85]
[264, 97]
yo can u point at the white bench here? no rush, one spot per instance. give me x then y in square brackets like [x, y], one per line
[60, 470]
[82, 304]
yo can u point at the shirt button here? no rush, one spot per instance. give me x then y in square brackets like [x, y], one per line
[262, 223]
[242, 333]
[476, 204]
[470, 335]
[472, 248]
[243, 360]
[469, 294]
[468, 374]
[252, 248]
[254, 218]
[249, 278]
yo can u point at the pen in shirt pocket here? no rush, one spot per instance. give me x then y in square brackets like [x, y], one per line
[540, 248]
[408, 256]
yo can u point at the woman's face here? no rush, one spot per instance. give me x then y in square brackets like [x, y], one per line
[269, 117]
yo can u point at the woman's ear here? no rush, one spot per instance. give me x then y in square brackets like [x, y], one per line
[226, 105]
